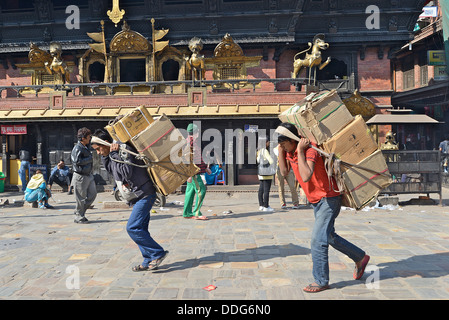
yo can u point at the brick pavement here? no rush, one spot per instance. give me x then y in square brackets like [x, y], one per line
[247, 254]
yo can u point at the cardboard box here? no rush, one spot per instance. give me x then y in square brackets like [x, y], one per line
[111, 131]
[318, 116]
[353, 143]
[131, 124]
[158, 139]
[362, 185]
[169, 176]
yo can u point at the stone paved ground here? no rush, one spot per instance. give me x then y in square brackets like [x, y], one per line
[246, 254]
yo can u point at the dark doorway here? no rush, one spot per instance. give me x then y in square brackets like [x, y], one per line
[96, 72]
[170, 70]
[132, 70]
[336, 69]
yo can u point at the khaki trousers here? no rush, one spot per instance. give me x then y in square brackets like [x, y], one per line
[291, 181]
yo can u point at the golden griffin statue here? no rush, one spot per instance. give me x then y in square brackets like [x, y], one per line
[312, 59]
[57, 65]
[195, 64]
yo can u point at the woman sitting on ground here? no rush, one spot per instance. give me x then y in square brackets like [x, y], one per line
[37, 191]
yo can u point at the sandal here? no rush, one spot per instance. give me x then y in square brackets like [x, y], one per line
[358, 272]
[139, 268]
[313, 288]
[155, 263]
[200, 218]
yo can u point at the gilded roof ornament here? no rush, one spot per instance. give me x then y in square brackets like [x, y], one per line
[116, 14]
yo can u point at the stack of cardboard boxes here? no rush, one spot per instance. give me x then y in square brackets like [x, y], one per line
[161, 142]
[325, 120]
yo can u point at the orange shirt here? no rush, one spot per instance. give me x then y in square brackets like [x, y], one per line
[318, 186]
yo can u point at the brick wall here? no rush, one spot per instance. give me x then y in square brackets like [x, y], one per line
[374, 73]
[11, 77]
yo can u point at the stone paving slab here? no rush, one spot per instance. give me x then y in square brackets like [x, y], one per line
[247, 254]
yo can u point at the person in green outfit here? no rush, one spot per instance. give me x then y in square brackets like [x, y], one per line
[195, 184]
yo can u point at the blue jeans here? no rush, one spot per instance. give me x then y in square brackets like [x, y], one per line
[323, 235]
[24, 166]
[137, 229]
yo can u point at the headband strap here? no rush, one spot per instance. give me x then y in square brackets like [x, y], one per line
[96, 140]
[285, 132]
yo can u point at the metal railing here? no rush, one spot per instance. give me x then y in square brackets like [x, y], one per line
[414, 172]
[215, 85]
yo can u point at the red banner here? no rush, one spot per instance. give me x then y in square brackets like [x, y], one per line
[14, 129]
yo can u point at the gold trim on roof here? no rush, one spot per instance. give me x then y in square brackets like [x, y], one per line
[177, 111]
[228, 48]
[129, 41]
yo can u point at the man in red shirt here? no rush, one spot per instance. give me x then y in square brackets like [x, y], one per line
[309, 170]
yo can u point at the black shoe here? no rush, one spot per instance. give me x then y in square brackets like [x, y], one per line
[80, 219]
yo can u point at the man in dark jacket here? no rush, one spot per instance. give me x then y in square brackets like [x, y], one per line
[123, 169]
[83, 181]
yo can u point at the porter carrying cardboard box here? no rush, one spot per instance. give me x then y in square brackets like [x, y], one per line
[159, 139]
[151, 138]
[319, 116]
[353, 143]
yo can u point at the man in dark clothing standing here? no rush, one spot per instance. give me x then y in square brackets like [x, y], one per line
[140, 184]
[83, 181]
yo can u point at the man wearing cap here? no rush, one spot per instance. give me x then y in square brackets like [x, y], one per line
[134, 175]
[309, 170]
[195, 184]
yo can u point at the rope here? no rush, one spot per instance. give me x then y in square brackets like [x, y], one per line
[148, 162]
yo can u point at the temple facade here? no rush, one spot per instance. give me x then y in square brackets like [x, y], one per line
[229, 65]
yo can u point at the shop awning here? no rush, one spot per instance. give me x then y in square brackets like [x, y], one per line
[401, 119]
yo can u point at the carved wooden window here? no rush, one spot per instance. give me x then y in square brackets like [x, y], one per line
[423, 73]
[229, 73]
[408, 73]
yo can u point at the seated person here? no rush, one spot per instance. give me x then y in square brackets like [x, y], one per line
[36, 190]
[61, 175]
